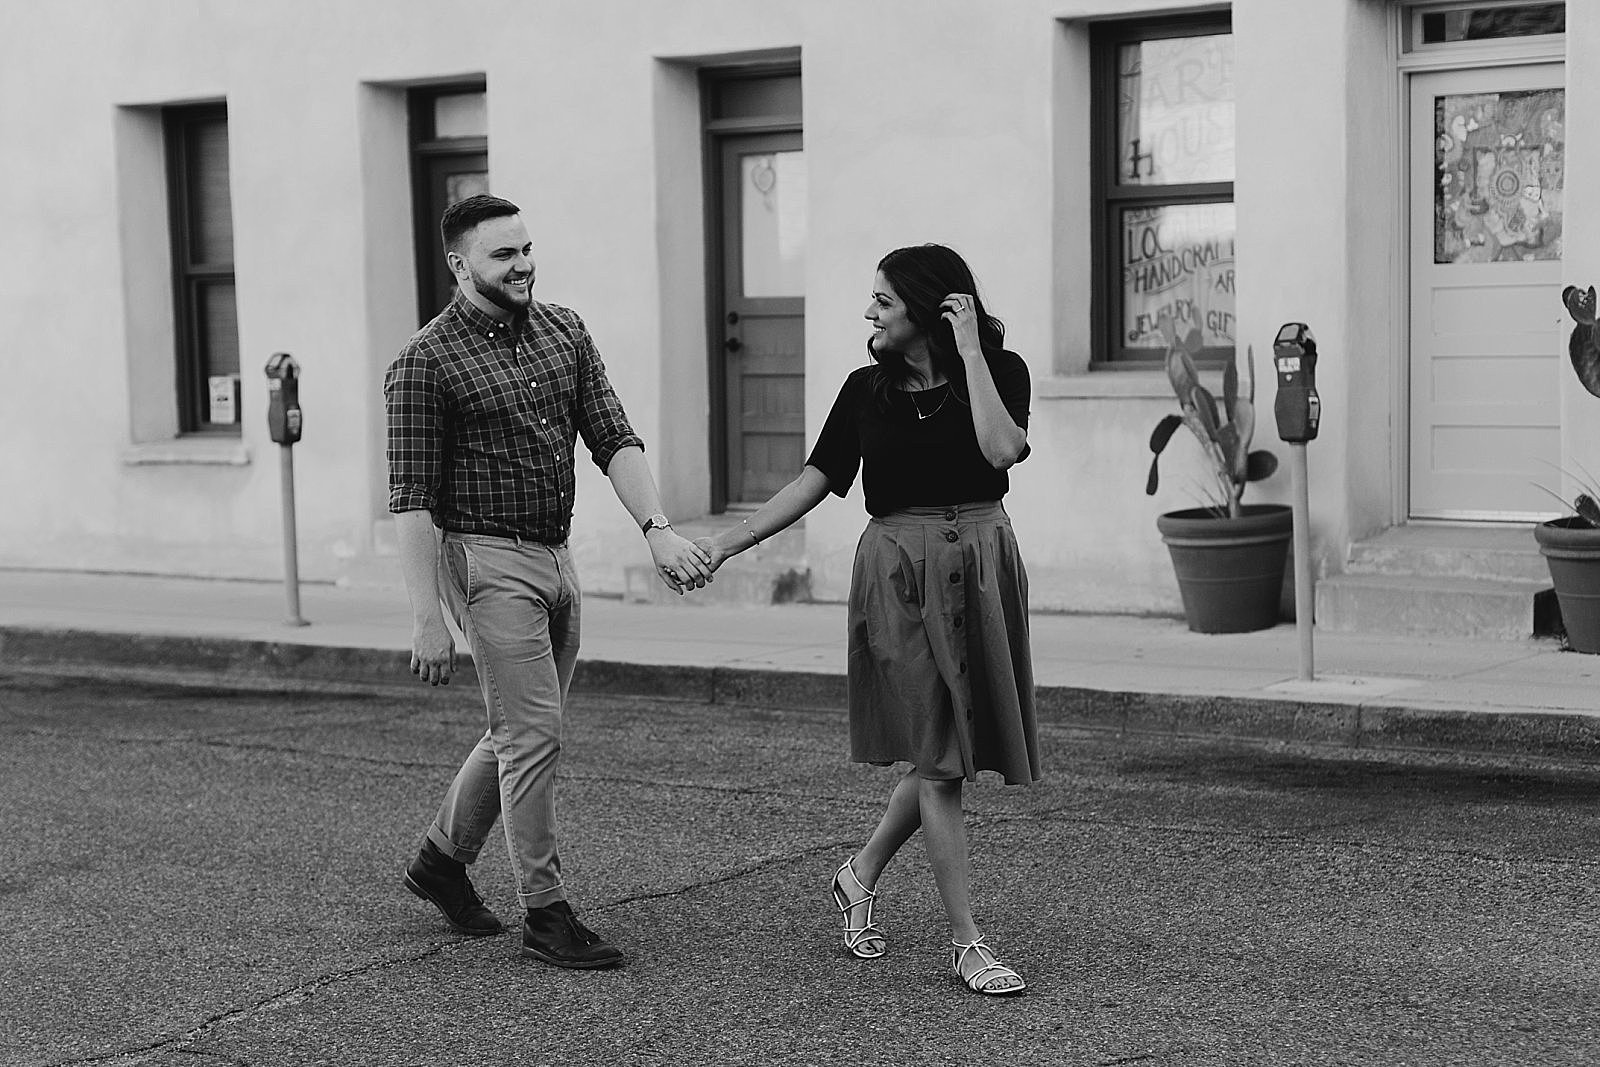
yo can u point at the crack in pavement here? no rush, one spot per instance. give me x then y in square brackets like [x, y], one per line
[305, 990]
[287, 998]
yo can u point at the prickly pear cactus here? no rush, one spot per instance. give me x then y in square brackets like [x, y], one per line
[1224, 434]
[1584, 346]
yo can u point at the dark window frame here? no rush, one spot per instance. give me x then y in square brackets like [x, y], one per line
[1109, 196]
[426, 145]
[189, 277]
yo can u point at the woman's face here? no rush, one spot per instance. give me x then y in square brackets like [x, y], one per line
[893, 330]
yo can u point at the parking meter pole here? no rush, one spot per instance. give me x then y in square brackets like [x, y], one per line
[284, 426]
[1304, 592]
[1299, 412]
[291, 555]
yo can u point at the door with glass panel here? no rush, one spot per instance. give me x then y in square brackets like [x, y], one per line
[761, 346]
[1486, 180]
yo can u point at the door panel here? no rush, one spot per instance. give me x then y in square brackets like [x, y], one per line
[762, 352]
[1485, 237]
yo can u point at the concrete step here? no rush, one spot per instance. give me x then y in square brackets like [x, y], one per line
[773, 572]
[1476, 552]
[1430, 606]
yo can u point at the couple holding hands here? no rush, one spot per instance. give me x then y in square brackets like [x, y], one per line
[484, 406]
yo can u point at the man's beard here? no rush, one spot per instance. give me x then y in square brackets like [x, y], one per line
[500, 296]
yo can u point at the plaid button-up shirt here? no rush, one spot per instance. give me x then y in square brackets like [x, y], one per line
[483, 416]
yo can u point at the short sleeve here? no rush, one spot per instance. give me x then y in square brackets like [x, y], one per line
[837, 453]
[1012, 382]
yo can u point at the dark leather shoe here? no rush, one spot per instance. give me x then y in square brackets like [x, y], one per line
[442, 881]
[554, 935]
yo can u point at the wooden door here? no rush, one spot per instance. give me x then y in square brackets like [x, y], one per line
[1486, 181]
[761, 348]
[446, 177]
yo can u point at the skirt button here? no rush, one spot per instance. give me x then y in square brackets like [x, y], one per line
[952, 536]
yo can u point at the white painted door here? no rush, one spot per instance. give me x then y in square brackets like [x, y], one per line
[1486, 175]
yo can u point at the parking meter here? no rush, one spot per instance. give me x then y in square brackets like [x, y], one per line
[283, 423]
[283, 398]
[1297, 406]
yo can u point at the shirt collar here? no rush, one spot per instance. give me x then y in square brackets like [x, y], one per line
[484, 324]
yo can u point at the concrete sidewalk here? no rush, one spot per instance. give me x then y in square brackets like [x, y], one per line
[1093, 671]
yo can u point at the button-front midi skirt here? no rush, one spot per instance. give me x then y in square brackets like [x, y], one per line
[940, 672]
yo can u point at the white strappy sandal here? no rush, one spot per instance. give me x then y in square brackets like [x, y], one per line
[864, 940]
[981, 980]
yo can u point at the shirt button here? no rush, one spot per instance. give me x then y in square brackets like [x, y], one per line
[963, 668]
[542, 422]
[952, 536]
[958, 621]
[955, 576]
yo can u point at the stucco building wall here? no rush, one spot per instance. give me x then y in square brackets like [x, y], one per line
[924, 120]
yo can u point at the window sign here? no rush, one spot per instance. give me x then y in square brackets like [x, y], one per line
[1175, 115]
[1489, 22]
[1178, 259]
[1499, 163]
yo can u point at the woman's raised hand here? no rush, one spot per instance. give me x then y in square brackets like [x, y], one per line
[960, 310]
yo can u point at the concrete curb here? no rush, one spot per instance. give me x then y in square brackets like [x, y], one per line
[274, 666]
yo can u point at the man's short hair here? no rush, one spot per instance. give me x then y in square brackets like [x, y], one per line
[463, 217]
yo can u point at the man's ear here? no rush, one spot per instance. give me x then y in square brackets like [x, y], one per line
[456, 262]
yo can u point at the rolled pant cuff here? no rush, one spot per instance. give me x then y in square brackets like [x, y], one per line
[450, 848]
[544, 898]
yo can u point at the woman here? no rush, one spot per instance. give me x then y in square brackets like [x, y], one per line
[940, 674]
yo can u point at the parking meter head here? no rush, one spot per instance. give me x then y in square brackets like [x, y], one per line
[283, 398]
[1297, 407]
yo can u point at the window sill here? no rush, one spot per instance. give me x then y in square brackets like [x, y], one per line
[1134, 385]
[193, 451]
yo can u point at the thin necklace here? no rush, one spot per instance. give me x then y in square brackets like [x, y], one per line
[936, 407]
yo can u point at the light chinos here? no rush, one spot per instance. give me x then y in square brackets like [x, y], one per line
[517, 601]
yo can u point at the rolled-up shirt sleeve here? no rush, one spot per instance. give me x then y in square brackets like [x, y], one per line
[414, 406]
[602, 422]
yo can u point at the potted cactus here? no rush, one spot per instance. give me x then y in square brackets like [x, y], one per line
[1571, 543]
[1228, 556]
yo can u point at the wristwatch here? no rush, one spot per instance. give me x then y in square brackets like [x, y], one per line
[655, 522]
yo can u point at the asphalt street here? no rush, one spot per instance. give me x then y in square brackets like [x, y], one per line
[199, 877]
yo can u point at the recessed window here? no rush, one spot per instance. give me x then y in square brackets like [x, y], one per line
[202, 258]
[1163, 185]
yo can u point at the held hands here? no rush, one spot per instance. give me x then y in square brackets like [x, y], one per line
[681, 563]
[960, 311]
[715, 556]
[433, 651]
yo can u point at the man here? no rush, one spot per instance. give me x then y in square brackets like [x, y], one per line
[484, 405]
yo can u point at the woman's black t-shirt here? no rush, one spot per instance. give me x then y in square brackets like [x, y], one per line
[921, 452]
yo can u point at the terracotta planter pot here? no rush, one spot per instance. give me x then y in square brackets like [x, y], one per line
[1230, 571]
[1572, 551]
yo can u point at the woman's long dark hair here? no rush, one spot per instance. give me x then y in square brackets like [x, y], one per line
[922, 276]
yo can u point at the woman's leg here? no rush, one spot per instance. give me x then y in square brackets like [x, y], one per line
[900, 820]
[944, 835]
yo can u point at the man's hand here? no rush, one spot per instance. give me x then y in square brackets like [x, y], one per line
[715, 557]
[680, 562]
[433, 652]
